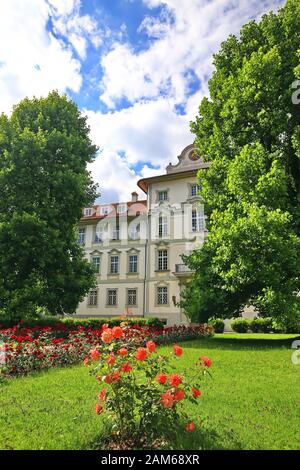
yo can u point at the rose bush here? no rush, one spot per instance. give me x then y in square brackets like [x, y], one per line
[142, 395]
[28, 349]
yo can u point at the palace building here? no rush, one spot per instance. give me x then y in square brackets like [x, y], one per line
[136, 246]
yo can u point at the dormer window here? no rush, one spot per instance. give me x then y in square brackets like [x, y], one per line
[163, 195]
[104, 210]
[87, 212]
[122, 208]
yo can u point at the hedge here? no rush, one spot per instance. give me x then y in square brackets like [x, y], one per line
[71, 322]
[217, 324]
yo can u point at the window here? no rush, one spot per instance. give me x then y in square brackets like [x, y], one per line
[98, 237]
[163, 226]
[162, 260]
[111, 297]
[162, 195]
[93, 298]
[198, 222]
[133, 263]
[195, 188]
[81, 236]
[96, 263]
[114, 264]
[122, 208]
[162, 295]
[116, 233]
[87, 212]
[131, 297]
[104, 210]
[134, 233]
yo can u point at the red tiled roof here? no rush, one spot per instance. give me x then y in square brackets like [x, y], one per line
[133, 208]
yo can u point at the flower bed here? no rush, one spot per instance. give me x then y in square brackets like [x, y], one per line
[23, 350]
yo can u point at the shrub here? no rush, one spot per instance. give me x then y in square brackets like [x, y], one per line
[240, 325]
[217, 324]
[262, 325]
[142, 392]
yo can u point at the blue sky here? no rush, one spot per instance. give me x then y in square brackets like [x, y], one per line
[137, 68]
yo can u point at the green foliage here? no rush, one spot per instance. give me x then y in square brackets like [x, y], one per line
[93, 323]
[217, 324]
[44, 183]
[249, 129]
[240, 325]
[261, 325]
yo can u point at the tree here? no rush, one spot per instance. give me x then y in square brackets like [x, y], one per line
[44, 183]
[249, 129]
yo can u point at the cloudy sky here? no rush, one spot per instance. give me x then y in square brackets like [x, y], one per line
[137, 68]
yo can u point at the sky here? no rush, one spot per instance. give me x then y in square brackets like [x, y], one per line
[137, 68]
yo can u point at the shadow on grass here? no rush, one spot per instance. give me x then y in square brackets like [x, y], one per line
[242, 343]
[199, 439]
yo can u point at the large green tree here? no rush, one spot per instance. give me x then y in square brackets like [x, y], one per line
[249, 129]
[44, 183]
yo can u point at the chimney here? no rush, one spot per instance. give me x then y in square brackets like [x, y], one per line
[134, 197]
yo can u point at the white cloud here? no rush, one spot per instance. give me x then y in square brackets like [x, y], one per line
[77, 28]
[33, 60]
[149, 131]
[188, 33]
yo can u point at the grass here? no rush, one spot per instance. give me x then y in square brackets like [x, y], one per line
[252, 402]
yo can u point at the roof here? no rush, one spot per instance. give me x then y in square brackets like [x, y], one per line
[134, 208]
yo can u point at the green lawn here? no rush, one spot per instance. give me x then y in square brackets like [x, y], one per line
[252, 402]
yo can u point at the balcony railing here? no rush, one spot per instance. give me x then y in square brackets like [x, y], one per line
[182, 268]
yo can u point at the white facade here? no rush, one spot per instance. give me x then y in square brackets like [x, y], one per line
[137, 246]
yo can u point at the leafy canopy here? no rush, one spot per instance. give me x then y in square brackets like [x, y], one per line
[44, 183]
[249, 129]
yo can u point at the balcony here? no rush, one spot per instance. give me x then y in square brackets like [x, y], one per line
[181, 270]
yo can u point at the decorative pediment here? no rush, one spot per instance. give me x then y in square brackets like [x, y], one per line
[188, 160]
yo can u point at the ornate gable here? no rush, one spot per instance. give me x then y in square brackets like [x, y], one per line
[188, 160]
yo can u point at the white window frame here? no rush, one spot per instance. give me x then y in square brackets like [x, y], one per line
[162, 295]
[114, 264]
[104, 210]
[195, 188]
[131, 297]
[93, 298]
[122, 208]
[162, 260]
[132, 264]
[97, 264]
[162, 226]
[163, 195]
[81, 236]
[98, 236]
[87, 212]
[198, 221]
[112, 297]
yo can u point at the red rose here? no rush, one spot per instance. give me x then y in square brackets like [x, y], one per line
[86, 361]
[151, 346]
[123, 351]
[196, 392]
[107, 336]
[161, 378]
[126, 367]
[99, 409]
[175, 380]
[141, 354]
[206, 361]
[102, 394]
[177, 350]
[111, 359]
[189, 427]
[95, 355]
[117, 331]
[105, 326]
[167, 399]
[106, 379]
[179, 394]
[116, 376]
